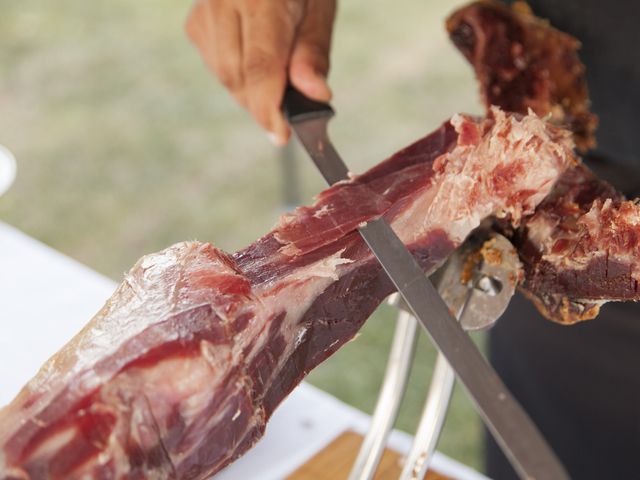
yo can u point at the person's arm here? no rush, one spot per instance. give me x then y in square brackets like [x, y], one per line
[254, 46]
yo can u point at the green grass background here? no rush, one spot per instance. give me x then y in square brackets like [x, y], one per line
[126, 144]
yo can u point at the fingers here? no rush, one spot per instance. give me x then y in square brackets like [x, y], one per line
[309, 64]
[199, 29]
[214, 26]
[268, 30]
[228, 52]
[254, 46]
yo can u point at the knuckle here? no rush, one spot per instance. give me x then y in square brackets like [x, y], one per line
[262, 117]
[318, 56]
[227, 78]
[259, 65]
[191, 28]
[295, 9]
[261, 110]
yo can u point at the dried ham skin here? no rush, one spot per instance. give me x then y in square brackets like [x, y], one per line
[523, 63]
[178, 374]
[581, 248]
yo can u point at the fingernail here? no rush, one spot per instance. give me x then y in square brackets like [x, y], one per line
[275, 139]
[315, 85]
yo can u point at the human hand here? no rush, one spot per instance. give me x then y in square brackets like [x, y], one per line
[255, 46]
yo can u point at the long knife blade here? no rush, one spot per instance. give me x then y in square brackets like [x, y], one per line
[514, 431]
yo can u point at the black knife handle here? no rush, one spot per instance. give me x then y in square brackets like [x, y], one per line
[297, 107]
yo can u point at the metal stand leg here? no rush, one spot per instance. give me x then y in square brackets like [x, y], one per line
[431, 422]
[391, 393]
[435, 408]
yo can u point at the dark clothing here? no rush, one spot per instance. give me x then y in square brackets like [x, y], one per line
[610, 38]
[581, 384]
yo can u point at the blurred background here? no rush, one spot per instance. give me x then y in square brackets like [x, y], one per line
[126, 144]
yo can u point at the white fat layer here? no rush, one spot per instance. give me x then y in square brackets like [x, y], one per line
[574, 262]
[541, 233]
[581, 262]
[14, 473]
[464, 193]
[324, 268]
[188, 382]
[300, 336]
[54, 443]
[304, 286]
[322, 211]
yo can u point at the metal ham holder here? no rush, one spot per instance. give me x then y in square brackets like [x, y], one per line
[476, 287]
[478, 291]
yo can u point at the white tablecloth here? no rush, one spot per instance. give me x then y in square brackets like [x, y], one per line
[45, 298]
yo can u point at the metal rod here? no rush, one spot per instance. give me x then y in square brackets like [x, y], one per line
[443, 379]
[431, 421]
[435, 408]
[394, 386]
[391, 394]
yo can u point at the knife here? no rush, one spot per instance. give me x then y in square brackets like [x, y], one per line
[513, 430]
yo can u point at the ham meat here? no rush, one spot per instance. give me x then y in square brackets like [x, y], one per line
[178, 374]
[180, 371]
[522, 63]
[581, 249]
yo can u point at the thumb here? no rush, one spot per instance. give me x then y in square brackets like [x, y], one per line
[309, 62]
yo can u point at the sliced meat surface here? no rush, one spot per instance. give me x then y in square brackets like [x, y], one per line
[581, 248]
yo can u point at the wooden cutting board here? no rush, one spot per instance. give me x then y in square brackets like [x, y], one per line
[334, 462]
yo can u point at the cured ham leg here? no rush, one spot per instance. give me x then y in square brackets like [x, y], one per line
[178, 374]
[581, 249]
